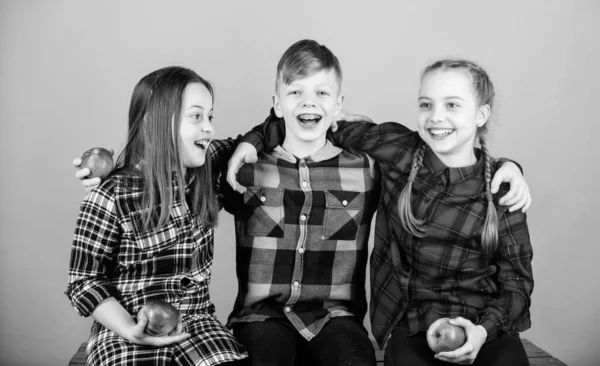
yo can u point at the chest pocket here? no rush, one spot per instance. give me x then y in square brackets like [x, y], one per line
[343, 214]
[155, 240]
[264, 211]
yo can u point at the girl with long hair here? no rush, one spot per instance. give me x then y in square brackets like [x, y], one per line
[146, 232]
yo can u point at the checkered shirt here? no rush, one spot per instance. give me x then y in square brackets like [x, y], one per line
[443, 274]
[302, 231]
[112, 256]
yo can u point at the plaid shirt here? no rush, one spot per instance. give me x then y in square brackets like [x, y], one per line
[112, 256]
[302, 231]
[443, 274]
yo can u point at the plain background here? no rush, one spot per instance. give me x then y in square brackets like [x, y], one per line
[67, 69]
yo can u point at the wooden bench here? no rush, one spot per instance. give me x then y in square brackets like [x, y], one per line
[537, 356]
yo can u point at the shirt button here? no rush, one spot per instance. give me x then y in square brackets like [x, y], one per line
[303, 217]
[263, 199]
[304, 184]
[296, 284]
[345, 203]
[300, 250]
[288, 309]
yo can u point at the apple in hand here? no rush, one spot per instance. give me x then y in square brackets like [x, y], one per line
[162, 317]
[445, 337]
[98, 160]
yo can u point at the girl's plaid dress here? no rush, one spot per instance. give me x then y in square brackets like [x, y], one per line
[113, 257]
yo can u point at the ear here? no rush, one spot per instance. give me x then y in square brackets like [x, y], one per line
[338, 105]
[483, 115]
[277, 106]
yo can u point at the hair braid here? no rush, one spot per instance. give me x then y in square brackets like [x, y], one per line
[410, 222]
[489, 234]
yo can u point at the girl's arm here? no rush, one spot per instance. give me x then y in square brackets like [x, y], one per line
[113, 316]
[96, 240]
[509, 311]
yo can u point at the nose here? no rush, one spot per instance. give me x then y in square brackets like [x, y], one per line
[207, 126]
[437, 114]
[309, 100]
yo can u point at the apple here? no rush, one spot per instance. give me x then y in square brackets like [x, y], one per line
[445, 337]
[162, 317]
[99, 161]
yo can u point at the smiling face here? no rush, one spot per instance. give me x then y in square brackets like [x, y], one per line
[308, 106]
[195, 129]
[450, 115]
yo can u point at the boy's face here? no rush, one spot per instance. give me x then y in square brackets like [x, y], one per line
[308, 106]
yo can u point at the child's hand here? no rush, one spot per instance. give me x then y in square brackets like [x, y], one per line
[88, 184]
[519, 195]
[244, 153]
[138, 336]
[476, 336]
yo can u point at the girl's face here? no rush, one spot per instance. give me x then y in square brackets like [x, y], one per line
[449, 116]
[195, 130]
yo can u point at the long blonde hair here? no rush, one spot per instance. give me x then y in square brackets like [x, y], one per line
[484, 90]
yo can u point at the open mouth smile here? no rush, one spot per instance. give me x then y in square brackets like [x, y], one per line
[203, 144]
[309, 120]
[440, 132]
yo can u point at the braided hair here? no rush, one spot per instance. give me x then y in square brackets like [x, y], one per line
[484, 91]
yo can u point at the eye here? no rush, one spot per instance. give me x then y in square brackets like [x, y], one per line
[294, 92]
[197, 116]
[322, 93]
[424, 105]
[452, 105]
[210, 118]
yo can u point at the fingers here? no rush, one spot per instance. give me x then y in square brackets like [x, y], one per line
[179, 329]
[334, 126]
[138, 329]
[82, 173]
[168, 340]
[496, 181]
[462, 355]
[76, 162]
[461, 322]
[90, 184]
[232, 178]
[529, 199]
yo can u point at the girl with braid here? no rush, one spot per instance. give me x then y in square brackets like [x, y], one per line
[446, 243]
[444, 247]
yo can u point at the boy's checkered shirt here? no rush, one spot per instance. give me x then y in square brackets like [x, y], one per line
[302, 231]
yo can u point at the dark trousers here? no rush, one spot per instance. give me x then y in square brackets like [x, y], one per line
[403, 350]
[275, 342]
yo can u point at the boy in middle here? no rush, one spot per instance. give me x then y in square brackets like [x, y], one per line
[302, 228]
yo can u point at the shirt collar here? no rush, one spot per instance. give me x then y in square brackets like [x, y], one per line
[327, 152]
[455, 175]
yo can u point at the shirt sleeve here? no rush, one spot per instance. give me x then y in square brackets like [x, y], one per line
[220, 152]
[267, 135]
[385, 142]
[96, 240]
[515, 277]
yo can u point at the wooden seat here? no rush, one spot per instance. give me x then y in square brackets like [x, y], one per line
[536, 355]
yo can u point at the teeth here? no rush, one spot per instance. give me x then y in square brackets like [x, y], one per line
[440, 131]
[309, 117]
[203, 143]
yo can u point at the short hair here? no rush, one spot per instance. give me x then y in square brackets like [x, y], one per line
[305, 58]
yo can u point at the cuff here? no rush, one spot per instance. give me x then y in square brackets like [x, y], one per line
[85, 297]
